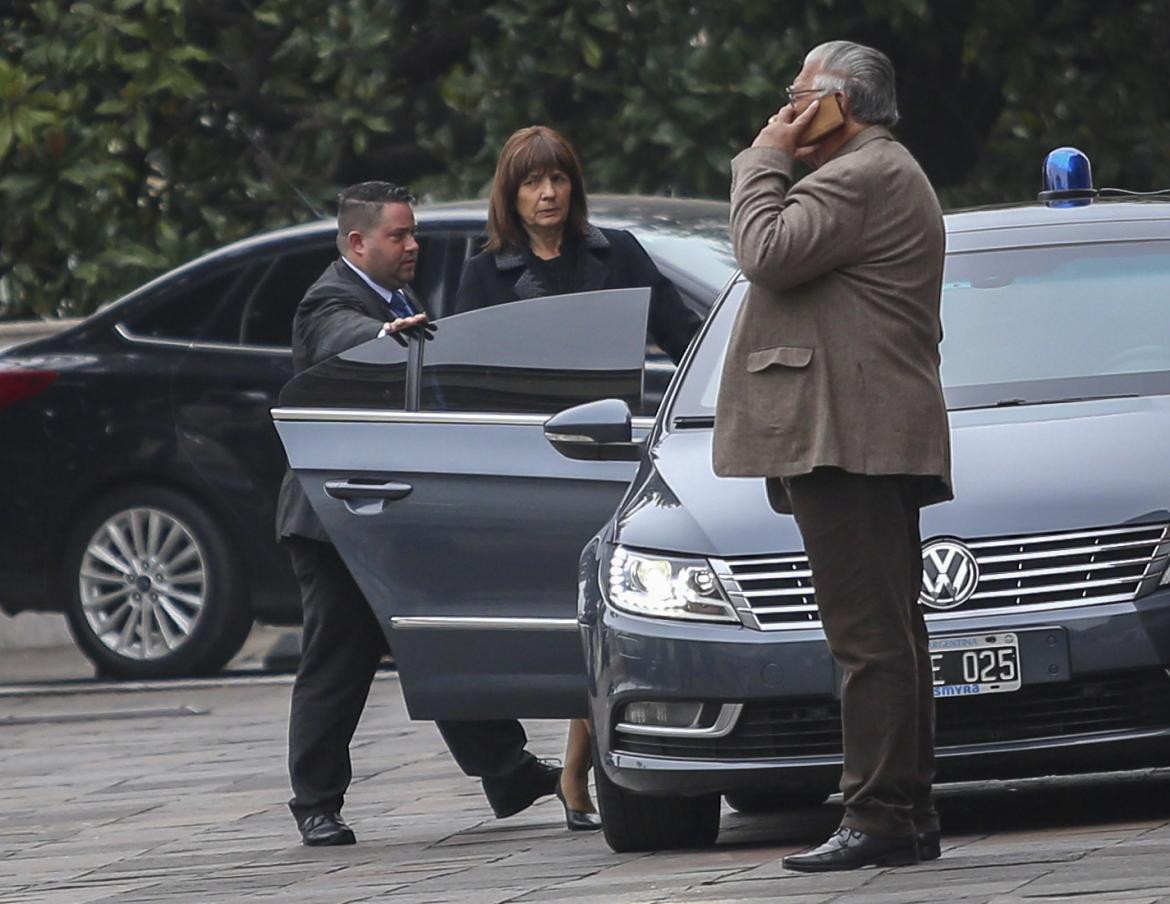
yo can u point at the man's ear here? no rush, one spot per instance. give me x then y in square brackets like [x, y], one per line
[355, 240]
[843, 103]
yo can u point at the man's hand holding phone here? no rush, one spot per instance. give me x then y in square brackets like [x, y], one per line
[784, 128]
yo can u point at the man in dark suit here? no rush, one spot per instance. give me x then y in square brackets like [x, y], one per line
[831, 391]
[361, 296]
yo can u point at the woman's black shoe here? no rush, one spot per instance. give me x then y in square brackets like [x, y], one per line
[578, 820]
[851, 849]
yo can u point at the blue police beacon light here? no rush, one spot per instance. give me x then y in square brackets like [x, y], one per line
[1068, 179]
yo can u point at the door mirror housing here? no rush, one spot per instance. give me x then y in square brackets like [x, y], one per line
[595, 431]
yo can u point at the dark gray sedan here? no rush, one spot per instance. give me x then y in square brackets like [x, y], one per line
[461, 507]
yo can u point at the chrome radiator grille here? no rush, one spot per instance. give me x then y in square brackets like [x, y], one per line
[1041, 571]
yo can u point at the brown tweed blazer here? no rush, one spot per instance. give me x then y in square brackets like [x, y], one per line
[833, 359]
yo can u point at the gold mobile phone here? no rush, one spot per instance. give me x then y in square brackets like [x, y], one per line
[828, 118]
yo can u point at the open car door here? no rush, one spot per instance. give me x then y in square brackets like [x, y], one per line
[429, 470]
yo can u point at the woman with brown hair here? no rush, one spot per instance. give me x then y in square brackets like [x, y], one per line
[540, 242]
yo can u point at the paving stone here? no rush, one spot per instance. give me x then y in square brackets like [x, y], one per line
[166, 810]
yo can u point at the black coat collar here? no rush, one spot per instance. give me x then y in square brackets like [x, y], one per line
[593, 271]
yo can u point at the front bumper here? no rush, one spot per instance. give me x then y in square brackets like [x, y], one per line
[1095, 694]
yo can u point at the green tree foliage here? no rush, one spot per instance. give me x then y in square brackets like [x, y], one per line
[135, 134]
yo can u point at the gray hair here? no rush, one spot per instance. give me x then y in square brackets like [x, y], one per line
[865, 75]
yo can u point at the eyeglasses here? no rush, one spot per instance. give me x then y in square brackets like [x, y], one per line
[793, 95]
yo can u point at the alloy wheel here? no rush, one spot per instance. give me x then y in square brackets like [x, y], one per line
[143, 583]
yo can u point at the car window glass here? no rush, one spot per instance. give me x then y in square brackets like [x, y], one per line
[1090, 317]
[195, 307]
[700, 386]
[371, 375]
[266, 319]
[539, 356]
[440, 263]
[702, 251]
[1054, 313]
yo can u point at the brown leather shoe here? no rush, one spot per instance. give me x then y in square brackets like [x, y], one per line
[851, 849]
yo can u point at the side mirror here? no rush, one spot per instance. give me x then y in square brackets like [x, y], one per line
[595, 431]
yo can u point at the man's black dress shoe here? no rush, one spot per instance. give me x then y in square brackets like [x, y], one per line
[546, 780]
[325, 830]
[850, 849]
[929, 845]
[577, 820]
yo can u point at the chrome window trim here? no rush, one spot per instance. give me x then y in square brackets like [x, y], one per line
[124, 331]
[480, 623]
[723, 725]
[259, 349]
[384, 416]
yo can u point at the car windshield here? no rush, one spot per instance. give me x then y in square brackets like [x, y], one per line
[1020, 326]
[702, 250]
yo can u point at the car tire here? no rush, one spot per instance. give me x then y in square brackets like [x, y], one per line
[153, 588]
[641, 822]
[774, 800]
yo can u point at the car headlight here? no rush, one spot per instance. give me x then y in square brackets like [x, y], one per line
[666, 587]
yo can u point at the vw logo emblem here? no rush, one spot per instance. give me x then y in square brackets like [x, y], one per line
[949, 574]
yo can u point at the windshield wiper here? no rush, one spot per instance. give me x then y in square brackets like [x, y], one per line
[693, 422]
[1019, 403]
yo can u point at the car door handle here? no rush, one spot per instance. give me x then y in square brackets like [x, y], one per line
[356, 489]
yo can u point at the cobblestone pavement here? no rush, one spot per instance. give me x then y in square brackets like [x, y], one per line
[176, 793]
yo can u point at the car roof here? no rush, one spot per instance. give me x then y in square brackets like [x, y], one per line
[636, 212]
[1036, 214]
[1035, 224]
[630, 211]
[612, 211]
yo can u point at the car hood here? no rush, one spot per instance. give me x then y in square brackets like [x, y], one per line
[1020, 470]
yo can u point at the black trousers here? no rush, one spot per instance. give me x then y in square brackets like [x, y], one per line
[341, 646]
[861, 534]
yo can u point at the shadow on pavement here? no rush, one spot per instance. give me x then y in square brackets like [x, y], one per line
[1084, 802]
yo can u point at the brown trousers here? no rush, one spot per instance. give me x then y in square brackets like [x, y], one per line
[862, 538]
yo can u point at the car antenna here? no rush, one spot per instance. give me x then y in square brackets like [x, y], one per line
[275, 171]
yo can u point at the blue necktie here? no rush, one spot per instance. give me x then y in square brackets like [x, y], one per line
[399, 305]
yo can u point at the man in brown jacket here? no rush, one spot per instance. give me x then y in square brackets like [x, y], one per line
[831, 392]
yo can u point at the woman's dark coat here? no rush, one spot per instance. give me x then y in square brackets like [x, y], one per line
[606, 259]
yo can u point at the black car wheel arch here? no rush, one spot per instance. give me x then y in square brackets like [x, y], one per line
[152, 586]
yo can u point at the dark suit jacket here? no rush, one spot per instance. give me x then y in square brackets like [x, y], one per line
[338, 312]
[833, 359]
[608, 259]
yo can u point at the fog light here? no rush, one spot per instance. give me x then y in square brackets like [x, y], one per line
[667, 715]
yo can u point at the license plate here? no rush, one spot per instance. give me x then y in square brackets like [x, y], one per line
[975, 664]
